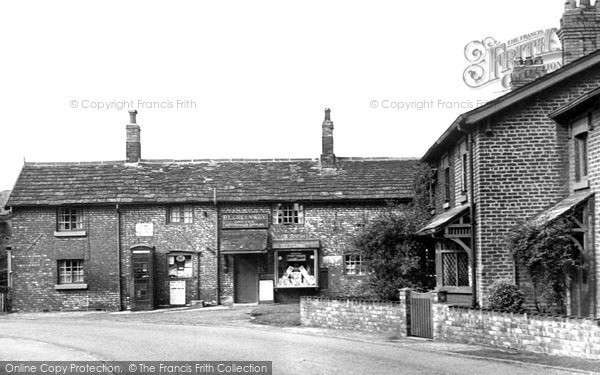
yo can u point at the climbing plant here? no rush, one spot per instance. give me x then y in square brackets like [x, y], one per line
[549, 254]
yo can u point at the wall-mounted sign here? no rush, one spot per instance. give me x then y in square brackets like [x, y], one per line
[144, 230]
[296, 257]
[177, 292]
[245, 221]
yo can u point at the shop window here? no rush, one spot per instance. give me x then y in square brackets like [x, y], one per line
[288, 213]
[69, 218]
[180, 265]
[296, 269]
[455, 268]
[353, 265]
[70, 271]
[181, 215]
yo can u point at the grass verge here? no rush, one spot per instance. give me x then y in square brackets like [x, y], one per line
[277, 315]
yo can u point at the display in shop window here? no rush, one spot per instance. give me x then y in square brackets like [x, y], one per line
[180, 265]
[296, 269]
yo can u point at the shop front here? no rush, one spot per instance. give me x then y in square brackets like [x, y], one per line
[296, 268]
[244, 247]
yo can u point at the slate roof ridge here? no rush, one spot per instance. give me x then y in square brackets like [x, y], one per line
[215, 160]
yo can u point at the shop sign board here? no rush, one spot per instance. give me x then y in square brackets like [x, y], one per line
[245, 221]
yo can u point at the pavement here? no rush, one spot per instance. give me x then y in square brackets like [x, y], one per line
[240, 316]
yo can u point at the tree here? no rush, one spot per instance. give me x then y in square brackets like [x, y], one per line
[392, 254]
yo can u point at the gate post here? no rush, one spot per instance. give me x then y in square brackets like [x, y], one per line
[405, 311]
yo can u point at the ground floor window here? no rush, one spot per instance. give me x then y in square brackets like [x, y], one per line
[70, 271]
[455, 268]
[353, 264]
[296, 269]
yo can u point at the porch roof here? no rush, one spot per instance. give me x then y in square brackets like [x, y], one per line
[443, 219]
[562, 207]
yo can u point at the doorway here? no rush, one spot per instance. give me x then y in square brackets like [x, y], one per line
[246, 279]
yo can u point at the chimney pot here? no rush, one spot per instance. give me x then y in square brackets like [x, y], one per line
[132, 114]
[579, 31]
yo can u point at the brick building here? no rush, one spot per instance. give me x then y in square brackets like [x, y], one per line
[139, 234]
[5, 231]
[531, 154]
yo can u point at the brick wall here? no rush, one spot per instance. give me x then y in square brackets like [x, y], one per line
[521, 169]
[334, 224]
[566, 336]
[36, 252]
[197, 238]
[360, 315]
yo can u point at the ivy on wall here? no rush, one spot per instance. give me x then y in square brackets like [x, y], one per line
[549, 254]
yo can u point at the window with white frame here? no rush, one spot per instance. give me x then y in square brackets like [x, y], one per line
[69, 218]
[288, 213]
[70, 271]
[353, 264]
[181, 214]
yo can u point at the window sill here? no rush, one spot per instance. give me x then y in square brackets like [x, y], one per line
[584, 184]
[463, 198]
[70, 286]
[446, 205]
[71, 233]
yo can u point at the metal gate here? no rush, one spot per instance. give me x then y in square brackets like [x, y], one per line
[421, 321]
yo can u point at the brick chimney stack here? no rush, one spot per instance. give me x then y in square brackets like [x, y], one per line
[527, 71]
[327, 155]
[579, 29]
[134, 146]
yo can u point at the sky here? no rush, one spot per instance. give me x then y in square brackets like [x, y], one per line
[242, 79]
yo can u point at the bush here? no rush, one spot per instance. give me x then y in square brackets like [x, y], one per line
[506, 296]
[394, 256]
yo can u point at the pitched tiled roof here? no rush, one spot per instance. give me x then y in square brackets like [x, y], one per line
[193, 181]
[477, 115]
[563, 207]
[443, 219]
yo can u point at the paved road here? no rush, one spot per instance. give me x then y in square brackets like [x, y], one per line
[114, 337]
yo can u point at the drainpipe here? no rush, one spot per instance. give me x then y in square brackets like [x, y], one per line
[119, 256]
[471, 144]
[473, 226]
[218, 250]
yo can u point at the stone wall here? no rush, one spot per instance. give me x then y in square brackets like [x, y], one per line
[554, 335]
[352, 314]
